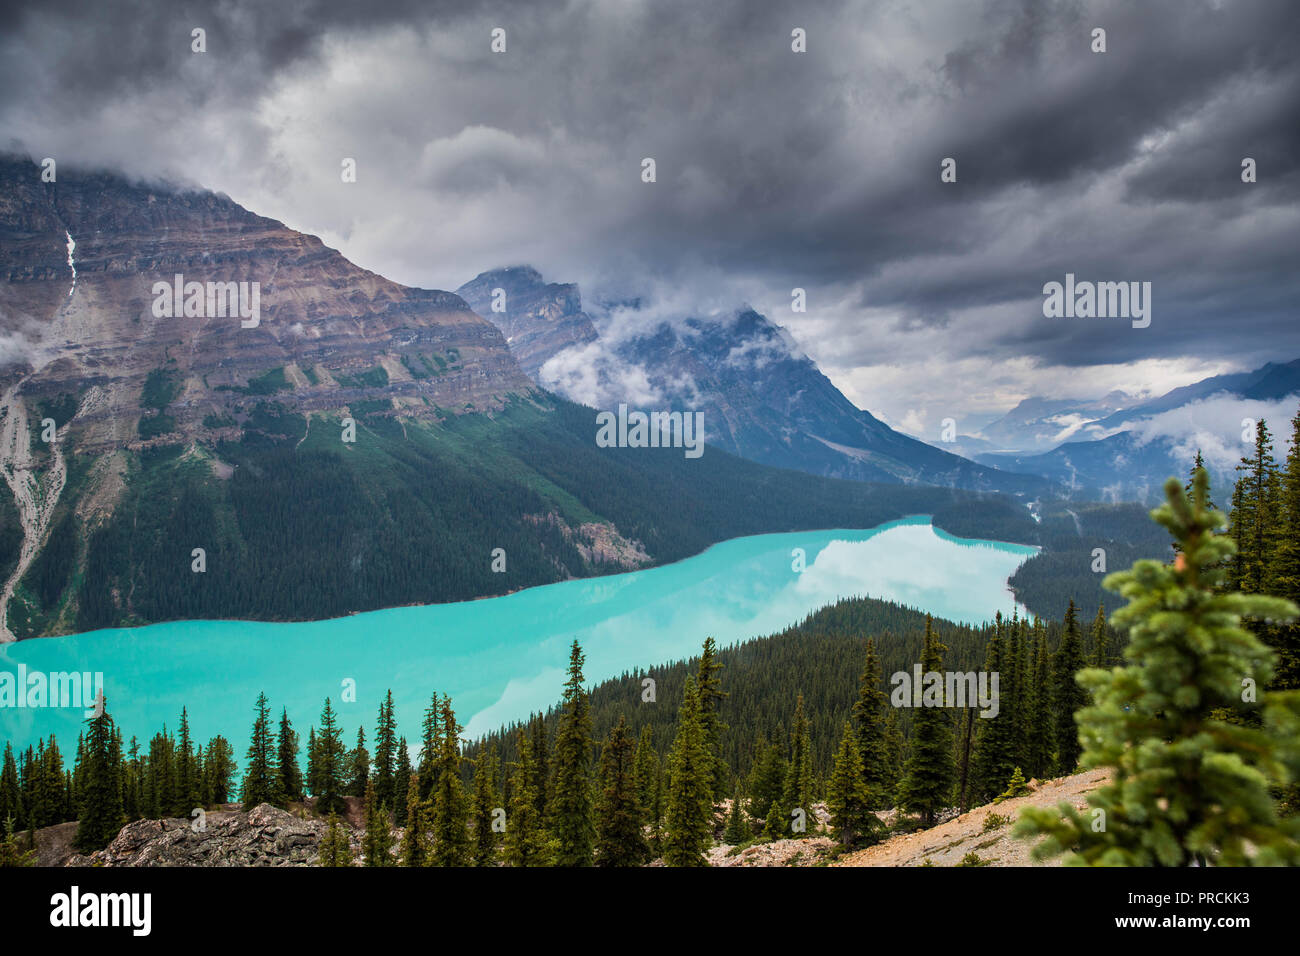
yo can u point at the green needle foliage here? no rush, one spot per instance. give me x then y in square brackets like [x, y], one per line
[848, 798]
[930, 772]
[1189, 787]
[335, 849]
[688, 819]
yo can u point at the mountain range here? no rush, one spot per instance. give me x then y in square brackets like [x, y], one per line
[362, 444]
[1125, 453]
[761, 397]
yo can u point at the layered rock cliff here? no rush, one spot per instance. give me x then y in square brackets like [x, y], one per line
[81, 258]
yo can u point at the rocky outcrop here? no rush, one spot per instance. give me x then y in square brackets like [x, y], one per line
[79, 259]
[264, 836]
[539, 320]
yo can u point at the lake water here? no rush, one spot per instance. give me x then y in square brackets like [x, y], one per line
[502, 658]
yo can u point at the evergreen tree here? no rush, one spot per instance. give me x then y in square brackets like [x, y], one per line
[1101, 656]
[335, 848]
[525, 843]
[386, 753]
[415, 849]
[1016, 787]
[1038, 748]
[377, 844]
[541, 766]
[1187, 787]
[1070, 695]
[449, 822]
[796, 794]
[219, 769]
[290, 786]
[569, 814]
[11, 804]
[649, 775]
[312, 780]
[358, 772]
[737, 831]
[766, 781]
[620, 837]
[896, 753]
[187, 777]
[847, 797]
[1285, 637]
[486, 803]
[928, 779]
[1255, 518]
[709, 684]
[330, 756]
[261, 779]
[688, 819]
[1013, 690]
[997, 748]
[869, 718]
[404, 770]
[11, 854]
[431, 745]
[102, 815]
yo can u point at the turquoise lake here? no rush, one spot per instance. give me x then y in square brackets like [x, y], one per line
[502, 658]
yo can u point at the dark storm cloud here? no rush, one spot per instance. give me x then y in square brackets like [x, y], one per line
[775, 169]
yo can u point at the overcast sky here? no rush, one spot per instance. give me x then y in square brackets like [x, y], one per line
[775, 169]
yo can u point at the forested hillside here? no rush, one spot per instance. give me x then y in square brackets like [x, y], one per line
[295, 523]
[635, 769]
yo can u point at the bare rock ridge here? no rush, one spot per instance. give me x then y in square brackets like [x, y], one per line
[538, 319]
[330, 333]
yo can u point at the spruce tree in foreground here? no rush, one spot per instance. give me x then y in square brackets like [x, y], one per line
[847, 796]
[525, 843]
[290, 785]
[688, 819]
[998, 746]
[11, 854]
[261, 779]
[1038, 746]
[378, 840]
[620, 837]
[869, 718]
[569, 812]
[1187, 787]
[335, 850]
[930, 771]
[102, 815]
[386, 756]
[218, 769]
[358, 771]
[485, 805]
[648, 773]
[1016, 787]
[709, 684]
[449, 821]
[766, 779]
[790, 816]
[737, 830]
[330, 755]
[1070, 694]
[415, 839]
[187, 771]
